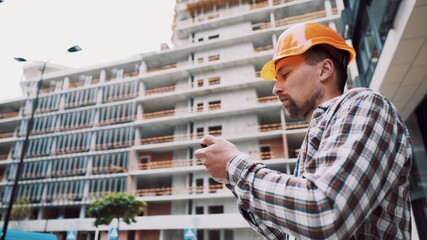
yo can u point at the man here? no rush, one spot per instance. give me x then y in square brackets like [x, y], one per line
[352, 174]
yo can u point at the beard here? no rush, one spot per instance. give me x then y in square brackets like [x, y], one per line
[295, 111]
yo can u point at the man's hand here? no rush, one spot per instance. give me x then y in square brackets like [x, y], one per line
[216, 155]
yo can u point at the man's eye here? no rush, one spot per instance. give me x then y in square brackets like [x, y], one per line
[285, 75]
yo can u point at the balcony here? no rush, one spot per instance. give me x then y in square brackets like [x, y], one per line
[121, 97]
[7, 135]
[68, 172]
[160, 90]
[267, 99]
[75, 127]
[118, 120]
[80, 103]
[9, 115]
[263, 48]
[107, 169]
[44, 91]
[162, 191]
[169, 164]
[113, 145]
[303, 17]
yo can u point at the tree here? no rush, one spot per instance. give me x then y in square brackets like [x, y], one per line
[21, 209]
[116, 206]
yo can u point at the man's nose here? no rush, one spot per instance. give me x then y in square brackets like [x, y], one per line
[276, 88]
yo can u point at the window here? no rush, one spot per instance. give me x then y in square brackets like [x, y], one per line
[199, 185]
[213, 37]
[200, 83]
[214, 186]
[110, 163]
[200, 107]
[216, 209]
[214, 80]
[265, 152]
[200, 210]
[200, 235]
[199, 132]
[81, 98]
[215, 130]
[214, 105]
[121, 91]
[214, 235]
[114, 138]
[117, 114]
[228, 234]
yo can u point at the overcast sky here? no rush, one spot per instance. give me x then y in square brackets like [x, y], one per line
[106, 30]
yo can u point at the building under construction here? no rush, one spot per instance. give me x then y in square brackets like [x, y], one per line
[133, 125]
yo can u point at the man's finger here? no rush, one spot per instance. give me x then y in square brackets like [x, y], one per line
[199, 153]
[208, 140]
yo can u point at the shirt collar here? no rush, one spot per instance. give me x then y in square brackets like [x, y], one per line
[321, 109]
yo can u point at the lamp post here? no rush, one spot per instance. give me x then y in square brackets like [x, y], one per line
[25, 144]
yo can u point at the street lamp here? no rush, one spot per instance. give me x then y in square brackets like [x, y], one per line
[25, 144]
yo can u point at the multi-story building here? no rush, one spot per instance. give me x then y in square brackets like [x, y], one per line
[133, 125]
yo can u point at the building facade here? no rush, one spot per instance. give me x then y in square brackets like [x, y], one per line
[133, 125]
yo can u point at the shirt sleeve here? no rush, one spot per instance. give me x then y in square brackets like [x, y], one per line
[361, 152]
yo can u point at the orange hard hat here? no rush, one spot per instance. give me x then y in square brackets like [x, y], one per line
[299, 38]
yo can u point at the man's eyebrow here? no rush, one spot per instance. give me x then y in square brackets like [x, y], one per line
[281, 69]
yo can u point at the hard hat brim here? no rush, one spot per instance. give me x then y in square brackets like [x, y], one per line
[268, 71]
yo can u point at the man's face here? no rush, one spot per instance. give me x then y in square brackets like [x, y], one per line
[298, 86]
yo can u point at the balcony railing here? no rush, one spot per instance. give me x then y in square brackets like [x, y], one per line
[165, 67]
[47, 90]
[266, 155]
[161, 191]
[76, 85]
[9, 115]
[80, 103]
[69, 172]
[304, 17]
[259, 5]
[108, 169]
[270, 127]
[6, 135]
[165, 113]
[187, 137]
[160, 90]
[3, 156]
[267, 99]
[117, 120]
[113, 145]
[122, 97]
[261, 25]
[75, 127]
[169, 164]
[277, 2]
[76, 149]
[263, 48]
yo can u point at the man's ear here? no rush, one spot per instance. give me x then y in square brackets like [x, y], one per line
[326, 69]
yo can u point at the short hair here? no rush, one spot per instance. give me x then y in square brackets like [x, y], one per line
[339, 58]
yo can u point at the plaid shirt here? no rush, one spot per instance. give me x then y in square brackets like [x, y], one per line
[352, 176]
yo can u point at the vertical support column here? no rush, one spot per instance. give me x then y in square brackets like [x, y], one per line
[141, 89]
[82, 212]
[102, 76]
[272, 20]
[143, 67]
[100, 96]
[139, 112]
[66, 82]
